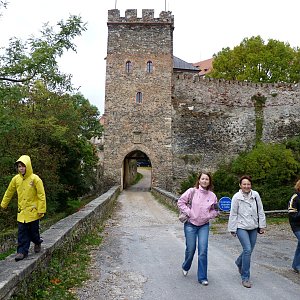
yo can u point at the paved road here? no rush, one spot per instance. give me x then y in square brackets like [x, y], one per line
[143, 248]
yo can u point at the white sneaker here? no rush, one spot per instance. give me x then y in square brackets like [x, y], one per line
[184, 272]
[204, 282]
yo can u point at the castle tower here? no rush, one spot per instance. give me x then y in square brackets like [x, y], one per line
[138, 109]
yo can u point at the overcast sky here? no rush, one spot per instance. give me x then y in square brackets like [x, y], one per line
[202, 28]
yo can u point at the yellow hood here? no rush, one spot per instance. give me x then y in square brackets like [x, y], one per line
[25, 159]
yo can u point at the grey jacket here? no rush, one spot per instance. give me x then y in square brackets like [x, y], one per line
[243, 213]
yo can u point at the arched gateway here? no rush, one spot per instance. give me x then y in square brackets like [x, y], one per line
[131, 161]
[138, 108]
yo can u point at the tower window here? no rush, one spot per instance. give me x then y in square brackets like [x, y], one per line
[128, 66]
[139, 97]
[149, 66]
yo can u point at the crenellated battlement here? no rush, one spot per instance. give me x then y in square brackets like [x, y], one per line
[194, 78]
[147, 17]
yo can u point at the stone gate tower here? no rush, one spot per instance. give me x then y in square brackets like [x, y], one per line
[138, 108]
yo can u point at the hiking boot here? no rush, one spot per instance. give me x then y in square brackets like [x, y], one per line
[246, 284]
[20, 256]
[37, 248]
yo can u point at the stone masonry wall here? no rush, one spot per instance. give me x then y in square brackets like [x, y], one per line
[184, 123]
[214, 120]
[142, 126]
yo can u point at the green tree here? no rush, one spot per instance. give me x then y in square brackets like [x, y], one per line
[273, 168]
[36, 59]
[40, 116]
[255, 61]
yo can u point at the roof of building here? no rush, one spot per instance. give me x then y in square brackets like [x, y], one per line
[204, 66]
[180, 64]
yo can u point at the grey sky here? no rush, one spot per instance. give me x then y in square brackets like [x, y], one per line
[202, 28]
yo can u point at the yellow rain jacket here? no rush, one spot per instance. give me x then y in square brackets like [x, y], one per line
[31, 193]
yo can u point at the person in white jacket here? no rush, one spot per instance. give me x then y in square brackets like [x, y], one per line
[246, 219]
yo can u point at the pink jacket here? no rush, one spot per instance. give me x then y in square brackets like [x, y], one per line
[203, 206]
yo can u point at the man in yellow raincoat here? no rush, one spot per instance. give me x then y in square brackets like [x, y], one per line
[31, 205]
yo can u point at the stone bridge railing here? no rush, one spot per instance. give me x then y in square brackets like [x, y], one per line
[166, 196]
[171, 199]
[14, 276]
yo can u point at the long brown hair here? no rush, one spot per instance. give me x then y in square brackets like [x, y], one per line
[297, 186]
[210, 186]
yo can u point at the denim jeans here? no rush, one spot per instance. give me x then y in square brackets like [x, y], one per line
[296, 261]
[247, 239]
[192, 233]
[28, 232]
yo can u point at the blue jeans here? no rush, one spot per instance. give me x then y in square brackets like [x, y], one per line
[28, 232]
[192, 233]
[247, 239]
[296, 261]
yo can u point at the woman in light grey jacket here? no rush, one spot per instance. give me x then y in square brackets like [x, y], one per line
[246, 218]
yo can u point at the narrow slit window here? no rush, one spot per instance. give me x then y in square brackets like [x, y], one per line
[128, 66]
[149, 66]
[139, 97]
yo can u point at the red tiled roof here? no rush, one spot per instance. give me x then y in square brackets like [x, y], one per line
[205, 66]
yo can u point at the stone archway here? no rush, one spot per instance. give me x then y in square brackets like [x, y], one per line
[132, 161]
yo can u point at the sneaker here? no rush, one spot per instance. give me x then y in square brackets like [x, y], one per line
[204, 282]
[295, 270]
[246, 283]
[37, 248]
[184, 272]
[20, 256]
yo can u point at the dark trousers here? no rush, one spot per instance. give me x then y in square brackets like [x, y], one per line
[28, 232]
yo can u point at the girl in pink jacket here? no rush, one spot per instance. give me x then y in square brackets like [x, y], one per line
[200, 212]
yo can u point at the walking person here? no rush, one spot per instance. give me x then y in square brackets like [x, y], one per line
[294, 219]
[31, 205]
[246, 219]
[200, 212]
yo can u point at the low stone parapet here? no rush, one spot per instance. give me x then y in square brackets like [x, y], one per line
[64, 234]
[168, 197]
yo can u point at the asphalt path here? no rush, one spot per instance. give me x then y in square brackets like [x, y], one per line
[143, 249]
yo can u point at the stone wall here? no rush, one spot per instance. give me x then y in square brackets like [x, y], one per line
[15, 276]
[185, 123]
[132, 126]
[214, 120]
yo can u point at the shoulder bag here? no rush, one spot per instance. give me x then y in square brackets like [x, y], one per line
[258, 228]
[182, 216]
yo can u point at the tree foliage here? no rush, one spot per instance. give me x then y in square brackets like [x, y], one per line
[273, 168]
[256, 61]
[42, 117]
[36, 58]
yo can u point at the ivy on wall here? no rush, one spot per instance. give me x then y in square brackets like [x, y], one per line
[259, 102]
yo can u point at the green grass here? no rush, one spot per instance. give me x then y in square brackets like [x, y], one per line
[65, 272]
[137, 178]
[7, 253]
[277, 220]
